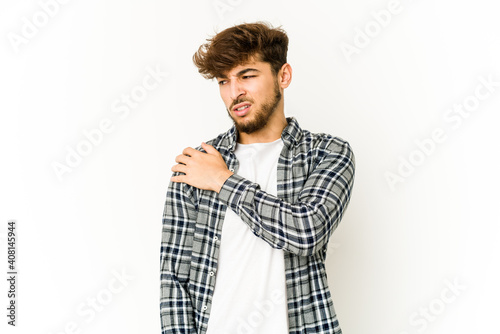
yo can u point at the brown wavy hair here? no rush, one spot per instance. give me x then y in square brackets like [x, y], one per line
[236, 45]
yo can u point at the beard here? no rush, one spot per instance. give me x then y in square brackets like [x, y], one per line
[260, 116]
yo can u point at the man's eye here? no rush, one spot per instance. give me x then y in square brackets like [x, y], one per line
[222, 82]
[248, 76]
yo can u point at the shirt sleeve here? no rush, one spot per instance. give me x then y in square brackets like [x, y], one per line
[303, 227]
[179, 219]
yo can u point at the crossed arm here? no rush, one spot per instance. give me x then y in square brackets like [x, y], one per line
[302, 227]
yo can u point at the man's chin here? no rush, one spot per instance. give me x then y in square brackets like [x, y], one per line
[243, 126]
[250, 127]
[250, 123]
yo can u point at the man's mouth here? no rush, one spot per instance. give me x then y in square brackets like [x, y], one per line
[241, 109]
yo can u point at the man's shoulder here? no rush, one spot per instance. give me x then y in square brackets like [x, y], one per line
[219, 142]
[320, 147]
[323, 141]
[219, 139]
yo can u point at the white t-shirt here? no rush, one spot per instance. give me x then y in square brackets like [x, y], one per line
[250, 289]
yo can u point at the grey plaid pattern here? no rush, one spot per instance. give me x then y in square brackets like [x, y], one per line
[315, 178]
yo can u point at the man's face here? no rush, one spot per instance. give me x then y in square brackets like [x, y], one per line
[251, 94]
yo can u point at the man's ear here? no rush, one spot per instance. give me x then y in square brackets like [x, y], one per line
[285, 75]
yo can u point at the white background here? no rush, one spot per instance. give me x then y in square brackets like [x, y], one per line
[398, 248]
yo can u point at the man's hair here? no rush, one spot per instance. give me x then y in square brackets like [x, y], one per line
[238, 44]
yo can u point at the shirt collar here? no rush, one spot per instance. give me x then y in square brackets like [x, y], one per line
[291, 134]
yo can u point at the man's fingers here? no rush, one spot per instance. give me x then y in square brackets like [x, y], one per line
[190, 151]
[179, 168]
[178, 178]
[206, 147]
[210, 149]
[183, 159]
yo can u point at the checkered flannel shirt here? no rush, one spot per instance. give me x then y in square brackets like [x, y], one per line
[315, 178]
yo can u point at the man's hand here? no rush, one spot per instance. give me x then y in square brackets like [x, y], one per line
[202, 170]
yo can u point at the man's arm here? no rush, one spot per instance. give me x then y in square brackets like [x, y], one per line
[303, 227]
[179, 218]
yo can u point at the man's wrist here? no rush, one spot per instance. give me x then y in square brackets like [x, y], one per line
[221, 179]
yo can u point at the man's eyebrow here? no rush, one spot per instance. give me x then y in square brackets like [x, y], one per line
[246, 70]
[240, 73]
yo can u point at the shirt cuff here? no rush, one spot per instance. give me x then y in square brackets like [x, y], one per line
[233, 191]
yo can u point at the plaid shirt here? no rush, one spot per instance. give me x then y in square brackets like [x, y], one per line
[315, 178]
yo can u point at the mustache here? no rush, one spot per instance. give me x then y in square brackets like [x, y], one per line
[238, 101]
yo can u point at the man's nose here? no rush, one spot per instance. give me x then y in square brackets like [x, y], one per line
[236, 89]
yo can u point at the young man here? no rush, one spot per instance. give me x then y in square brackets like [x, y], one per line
[248, 215]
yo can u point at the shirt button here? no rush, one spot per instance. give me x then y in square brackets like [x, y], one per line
[211, 273]
[204, 308]
[215, 238]
[232, 170]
